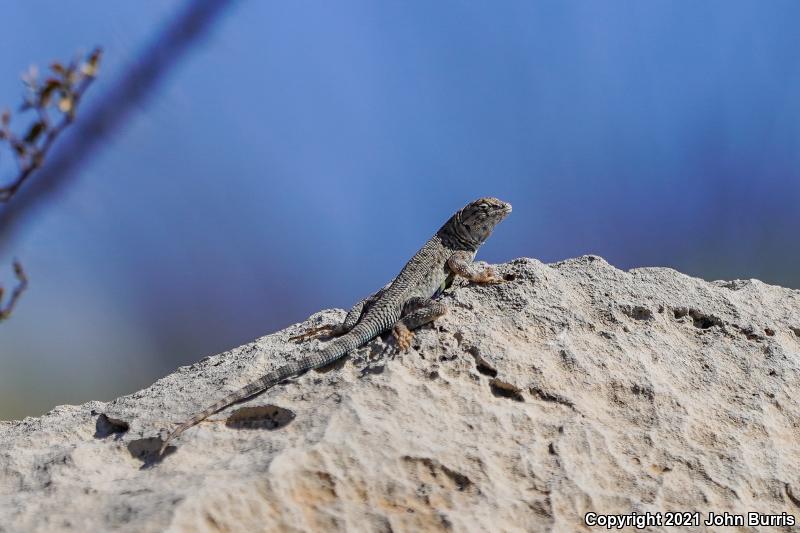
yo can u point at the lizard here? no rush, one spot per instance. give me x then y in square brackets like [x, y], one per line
[404, 304]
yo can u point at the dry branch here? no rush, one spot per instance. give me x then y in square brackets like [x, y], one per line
[54, 102]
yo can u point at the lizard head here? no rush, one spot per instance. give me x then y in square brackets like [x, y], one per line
[476, 221]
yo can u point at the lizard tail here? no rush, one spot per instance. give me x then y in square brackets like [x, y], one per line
[245, 392]
[331, 352]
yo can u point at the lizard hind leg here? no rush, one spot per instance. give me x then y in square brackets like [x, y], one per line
[422, 314]
[334, 330]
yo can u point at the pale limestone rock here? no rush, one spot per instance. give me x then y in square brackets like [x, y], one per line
[575, 387]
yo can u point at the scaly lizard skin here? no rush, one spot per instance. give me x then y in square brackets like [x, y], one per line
[401, 306]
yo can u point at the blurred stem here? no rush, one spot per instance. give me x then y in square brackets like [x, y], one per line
[22, 284]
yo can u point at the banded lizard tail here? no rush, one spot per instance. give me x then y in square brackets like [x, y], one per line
[402, 305]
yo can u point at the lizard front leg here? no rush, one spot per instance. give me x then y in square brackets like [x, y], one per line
[461, 264]
[419, 311]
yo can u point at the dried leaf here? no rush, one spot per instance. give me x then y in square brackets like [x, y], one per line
[51, 83]
[36, 129]
[5, 118]
[47, 91]
[94, 58]
[57, 67]
[66, 103]
[89, 69]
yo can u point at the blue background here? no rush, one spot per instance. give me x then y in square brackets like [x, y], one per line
[304, 150]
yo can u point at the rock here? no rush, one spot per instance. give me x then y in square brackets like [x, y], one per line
[573, 388]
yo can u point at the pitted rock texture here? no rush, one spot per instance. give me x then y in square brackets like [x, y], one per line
[574, 387]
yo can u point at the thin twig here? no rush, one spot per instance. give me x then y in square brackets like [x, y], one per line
[29, 163]
[22, 284]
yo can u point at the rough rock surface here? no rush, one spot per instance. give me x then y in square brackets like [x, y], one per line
[576, 387]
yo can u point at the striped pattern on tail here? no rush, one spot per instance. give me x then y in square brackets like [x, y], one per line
[334, 350]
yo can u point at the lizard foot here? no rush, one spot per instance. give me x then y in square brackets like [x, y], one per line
[313, 332]
[488, 276]
[403, 336]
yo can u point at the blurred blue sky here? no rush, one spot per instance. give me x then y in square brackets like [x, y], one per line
[304, 151]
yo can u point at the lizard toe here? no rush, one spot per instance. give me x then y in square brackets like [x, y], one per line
[489, 277]
[403, 336]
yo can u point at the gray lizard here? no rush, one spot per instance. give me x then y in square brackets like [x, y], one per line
[402, 305]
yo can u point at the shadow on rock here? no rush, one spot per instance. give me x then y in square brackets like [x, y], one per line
[269, 417]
